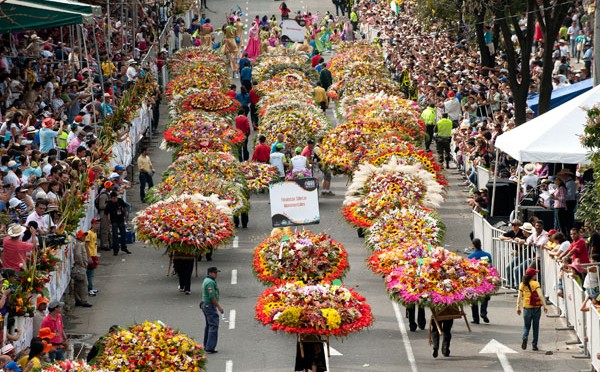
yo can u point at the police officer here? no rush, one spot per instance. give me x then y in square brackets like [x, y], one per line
[211, 309]
[428, 116]
[443, 131]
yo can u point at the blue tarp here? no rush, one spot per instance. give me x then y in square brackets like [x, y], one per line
[562, 95]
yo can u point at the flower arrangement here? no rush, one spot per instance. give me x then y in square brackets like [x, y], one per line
[379, 152]
[179, 85]
[211, 100]
[441, 278]
[206, 185]
[285, 81]
[20, 301]
[151, 346]
[189, 169]
[71, 366]
[203, 71]
[298, 174]
[298, 122]
[299, 256]
[195, 54]
[351, 54]
[319, 309]
[405, 225]
[410, 184]
[190, 224]
[199, 131]
[265, 67]
[382, 262]
[258, 175]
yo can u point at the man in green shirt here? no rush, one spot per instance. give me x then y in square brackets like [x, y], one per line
[354, 19]
[443, 130]
[210, 306]
[428, 116]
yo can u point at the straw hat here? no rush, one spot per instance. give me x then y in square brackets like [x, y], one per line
[528, 227]
[15, 230]
[529, 168]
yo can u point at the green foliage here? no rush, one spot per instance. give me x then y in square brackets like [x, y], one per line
[589, 206]
[432, 12]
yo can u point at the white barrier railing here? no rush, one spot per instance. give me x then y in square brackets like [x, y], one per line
[586, 325]
[483, 176]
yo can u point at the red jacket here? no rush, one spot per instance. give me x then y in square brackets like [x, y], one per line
[262, 153]
[253, 97]
[242, 123]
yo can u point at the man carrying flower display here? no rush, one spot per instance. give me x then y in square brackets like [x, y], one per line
[479, 254]
[210, 306]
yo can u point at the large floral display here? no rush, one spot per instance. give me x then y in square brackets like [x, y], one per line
[190, 224]
[396, 187]
[150, 346]
[320, 309]
[299, 256]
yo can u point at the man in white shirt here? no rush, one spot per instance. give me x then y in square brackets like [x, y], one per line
[299, 162]
[44, 221]
[277, 159]
[453, 109]
[48, 167]
[131, 71]
[11, 177]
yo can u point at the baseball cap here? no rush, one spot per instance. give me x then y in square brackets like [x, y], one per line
[531, 271]
[54, 304]
[213, 269]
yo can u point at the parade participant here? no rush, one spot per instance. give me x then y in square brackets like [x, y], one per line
[183, 265]
[146, 171]
[299, 162]
[446, 328]
[320, 96]
[243, 124]
[262, 151]
[91, 245]
[480, 308]
[531, 298]
[421, 320]
[116, 209]
[253, 47]
[278, 160]
[230, 48]
[211, 308]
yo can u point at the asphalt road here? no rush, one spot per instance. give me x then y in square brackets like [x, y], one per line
[134, 288]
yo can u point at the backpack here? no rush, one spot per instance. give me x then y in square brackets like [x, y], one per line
[97, 199]
[534, 299]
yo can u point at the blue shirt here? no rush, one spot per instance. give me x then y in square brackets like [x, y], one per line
[246, 74]
[244, 99]
[479, 254]
[242, 61]
[47, 136]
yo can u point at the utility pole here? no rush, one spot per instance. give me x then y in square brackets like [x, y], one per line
[596, 65]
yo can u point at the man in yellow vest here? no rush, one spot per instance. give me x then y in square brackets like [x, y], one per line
[443, 134]
[428, 116]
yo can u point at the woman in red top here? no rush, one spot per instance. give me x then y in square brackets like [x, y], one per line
[243, 124]
[285, 11]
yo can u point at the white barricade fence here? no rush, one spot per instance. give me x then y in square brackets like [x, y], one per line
[483, 176]
[594, 339]
[511, 260]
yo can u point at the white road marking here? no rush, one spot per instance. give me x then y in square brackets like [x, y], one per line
[234, 276]
[333, 351]
[495, 347]
[229, 366]
[236, 242]
[231, 319]
[409, 352]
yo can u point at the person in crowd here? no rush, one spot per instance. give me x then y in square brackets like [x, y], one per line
[54, 322]
[16, 251]
[532, 300]
[41, 311]
[515, 231]
[78, 270]
[278, 160]
[211, 308]
[183, 265]
[591, 284]
[320, 96]
[578, 250]
[443, 135]
[243, 124]
[91, 246]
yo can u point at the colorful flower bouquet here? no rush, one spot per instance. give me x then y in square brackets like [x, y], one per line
[299, 122]
[320, 309]
[189, 224]
[202, 70]
[286, 81]
[351, 54]
[299, 256]
[179, 85]
[151, 346]
[265, 67]
[258, 175]
[298, 174]
[206, 185]
[405, 225]
[195, 54]
[441, 278]
[198, 131]
[211, 100]
[364, 85]
[382, 262]
[71, 366]
[189, 169]
[379, 152]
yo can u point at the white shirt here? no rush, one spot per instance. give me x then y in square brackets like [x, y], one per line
[46, 169]
[131, 73]
[12, 178]
[44, 222]
[299, 163]
[452, 107]
[529, 180]
[276, 160]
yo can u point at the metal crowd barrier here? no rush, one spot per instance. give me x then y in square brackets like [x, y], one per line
[510, 266]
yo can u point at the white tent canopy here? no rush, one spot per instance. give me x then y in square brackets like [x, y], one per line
[554, 136]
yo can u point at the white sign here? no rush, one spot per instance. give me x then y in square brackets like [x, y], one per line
[294, 202]
[294, 30]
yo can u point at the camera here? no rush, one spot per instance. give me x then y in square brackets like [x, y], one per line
[55, 240]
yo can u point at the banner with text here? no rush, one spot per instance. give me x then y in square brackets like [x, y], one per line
[295, 202]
